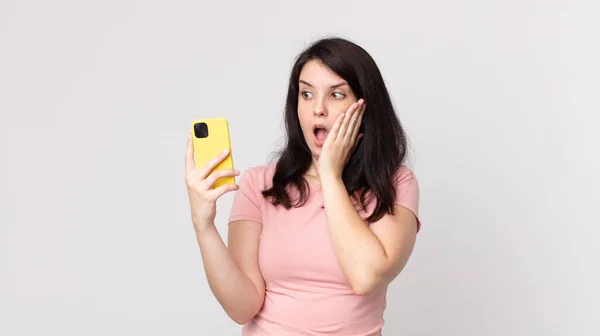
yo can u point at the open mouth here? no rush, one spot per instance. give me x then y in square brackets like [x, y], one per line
[320, 133]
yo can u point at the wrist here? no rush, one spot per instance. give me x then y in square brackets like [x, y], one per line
[204, 227]
[330, 178]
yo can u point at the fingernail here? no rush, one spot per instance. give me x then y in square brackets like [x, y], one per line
[226, 151]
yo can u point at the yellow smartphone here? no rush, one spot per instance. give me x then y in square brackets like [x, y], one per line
[210, 137]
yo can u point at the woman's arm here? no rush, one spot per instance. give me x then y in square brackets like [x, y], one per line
[233, 274]
[373, 255]
[368, 255]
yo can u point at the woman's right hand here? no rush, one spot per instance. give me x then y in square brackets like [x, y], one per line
[199, 182]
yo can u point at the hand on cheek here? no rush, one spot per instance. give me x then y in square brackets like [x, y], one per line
[341, 141]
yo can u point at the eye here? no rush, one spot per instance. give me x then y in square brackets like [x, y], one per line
[306, 94]
[338, 95]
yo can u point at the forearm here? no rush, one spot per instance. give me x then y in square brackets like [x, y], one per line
[232, 287]
[359, 252]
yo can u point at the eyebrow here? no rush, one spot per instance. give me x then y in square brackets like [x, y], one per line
[332, 87]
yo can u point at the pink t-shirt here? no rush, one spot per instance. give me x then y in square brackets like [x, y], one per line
[306, 290]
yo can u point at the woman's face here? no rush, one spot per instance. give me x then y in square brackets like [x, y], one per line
[322, 97]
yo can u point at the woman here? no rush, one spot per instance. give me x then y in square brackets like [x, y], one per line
[315, 239]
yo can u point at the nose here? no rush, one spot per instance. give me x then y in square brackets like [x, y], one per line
[320, 109]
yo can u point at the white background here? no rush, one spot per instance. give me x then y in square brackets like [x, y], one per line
[500, 99]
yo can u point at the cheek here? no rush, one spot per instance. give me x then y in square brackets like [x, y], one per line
[341, 109]
[304, 115]
[304, 109]
[335, 115]
[304, 122]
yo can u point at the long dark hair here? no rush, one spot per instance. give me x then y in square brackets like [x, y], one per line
[372, 167]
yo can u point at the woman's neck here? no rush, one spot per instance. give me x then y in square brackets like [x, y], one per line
[312, 173]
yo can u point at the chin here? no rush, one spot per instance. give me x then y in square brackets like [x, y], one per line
[315, 151]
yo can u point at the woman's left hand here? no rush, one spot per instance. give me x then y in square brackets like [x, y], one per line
[341, 141]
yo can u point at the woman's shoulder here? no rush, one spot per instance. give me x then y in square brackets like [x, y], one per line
[407, 190]
[405, 182]
[404, 173]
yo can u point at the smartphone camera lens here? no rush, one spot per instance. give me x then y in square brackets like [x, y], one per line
[201, 130]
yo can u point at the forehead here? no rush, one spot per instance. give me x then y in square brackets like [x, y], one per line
[318, 74]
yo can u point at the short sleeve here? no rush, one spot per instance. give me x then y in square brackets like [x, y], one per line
[407, 192]
[247, 200]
